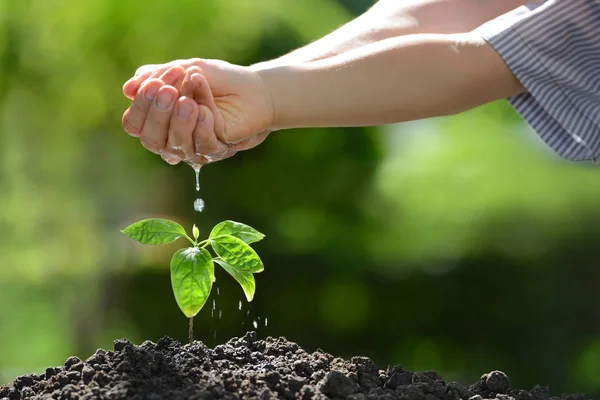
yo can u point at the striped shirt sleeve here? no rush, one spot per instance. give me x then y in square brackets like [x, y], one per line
[553, 48]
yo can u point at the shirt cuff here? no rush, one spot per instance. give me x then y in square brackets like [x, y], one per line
[533, 43]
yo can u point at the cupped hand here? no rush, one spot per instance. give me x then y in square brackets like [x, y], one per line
[197, 110]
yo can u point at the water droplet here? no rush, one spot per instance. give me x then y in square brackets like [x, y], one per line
[266, 321]
[215, 334]
[240, 306]
[220, 314]
[214, 304]
[214, 278]
[255, 324]
[197, 171]
[258, 318]
[199, 205]
[247, 313]
[218, 292]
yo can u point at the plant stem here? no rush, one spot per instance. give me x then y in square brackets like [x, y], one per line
[190, 239]
[191, 330]
[203, 243]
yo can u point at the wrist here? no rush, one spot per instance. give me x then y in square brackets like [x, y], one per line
[269, 77]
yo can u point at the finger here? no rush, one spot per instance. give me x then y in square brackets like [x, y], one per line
[202, 93]
[180, 142]
[150, 71]
[186, 85]
[205, 140]
[156, 126]
[168, 73]
[135, 115]
[131, 87]
[172, 75]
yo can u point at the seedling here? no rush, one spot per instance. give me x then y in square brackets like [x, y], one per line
[192, 268]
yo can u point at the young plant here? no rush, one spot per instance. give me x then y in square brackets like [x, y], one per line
[192, 268]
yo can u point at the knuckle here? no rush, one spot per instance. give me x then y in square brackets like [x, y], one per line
[140, 105]
[129, 126]
[198, 62]
[131, 129]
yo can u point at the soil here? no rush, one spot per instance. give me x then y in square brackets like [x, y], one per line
[247, 368]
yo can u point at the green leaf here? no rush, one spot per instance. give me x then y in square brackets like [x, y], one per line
[192, 274]
[155, 231]
[195, 232]
[237, 253]
[241, 231]
[245, 279]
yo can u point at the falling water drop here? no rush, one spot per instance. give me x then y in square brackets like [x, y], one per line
[255, 324]
[266, 321]
[240, 306]
[218, 292]
[220, 314]
[199, 205]
[197, 171]
[247, 313]
[215, 334]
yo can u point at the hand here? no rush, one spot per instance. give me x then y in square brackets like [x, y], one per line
[235, 97]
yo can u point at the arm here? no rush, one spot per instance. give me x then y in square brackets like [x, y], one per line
[398, 79]
[392, 18]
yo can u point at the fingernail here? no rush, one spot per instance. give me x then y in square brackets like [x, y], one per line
[164, 100]
[184, 110]
[151, 93]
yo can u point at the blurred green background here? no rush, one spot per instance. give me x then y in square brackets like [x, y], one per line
[458, 244]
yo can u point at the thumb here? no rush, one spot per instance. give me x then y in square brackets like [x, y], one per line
[204, 96]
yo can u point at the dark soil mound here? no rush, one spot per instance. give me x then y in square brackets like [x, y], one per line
[247, 368]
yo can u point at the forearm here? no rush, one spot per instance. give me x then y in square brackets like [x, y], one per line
[363, 30]
[393, 18]
[399, 79]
